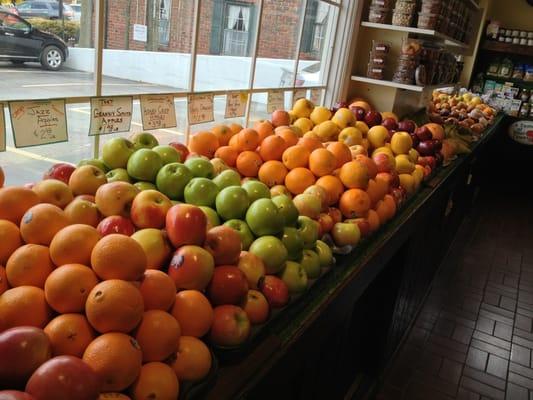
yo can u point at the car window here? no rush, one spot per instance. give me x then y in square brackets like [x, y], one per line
[55, 7]
[24, 6]
[11, 21]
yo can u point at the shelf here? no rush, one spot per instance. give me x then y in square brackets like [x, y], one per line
[517, 82]
[418, 31]
[412, 88]
[507, 48]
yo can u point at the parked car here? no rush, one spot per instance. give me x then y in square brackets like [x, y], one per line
[21, 42]
[44, 9]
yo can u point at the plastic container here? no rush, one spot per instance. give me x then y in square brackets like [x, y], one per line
[381, 47]
[402, 19]
[379, 15]
[382, 3]
[377, 60]
[432, 6]
[405, 6]
[375, 72]
[428, 21]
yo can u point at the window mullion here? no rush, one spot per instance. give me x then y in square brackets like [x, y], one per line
[194, 48]
[254, 62]
[98, 61]
[299, 48]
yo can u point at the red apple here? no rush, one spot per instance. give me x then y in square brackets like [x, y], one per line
[149, 209]
[399, 195]
[427, 161]
[255, 305]
[60, 171]
[415, 140]
[358, 112]
[325, 221]
[275, 291]
[253, 267]
[81, 211]
[230, 327]
[407, 126]
[423, 133]
[383, 162]
[115, 198]
[335, 214]
[15, 395]
[228, 285]
[182, 150]
[224, 244]
[191, 267]
[186, 224]
[426, 148]
[87, 197]
[391, 178]
[363, 224]
[437, 144]
[390, 124]
[280, 118]
[116, 224]
[339, 104]
[373, 118]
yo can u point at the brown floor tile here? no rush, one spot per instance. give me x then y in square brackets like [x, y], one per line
[451, 371]
[497, 366]
[516, 392]
[520, 355]
[477, 358]
[503, 331]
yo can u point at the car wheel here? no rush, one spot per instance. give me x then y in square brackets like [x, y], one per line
[52, 58]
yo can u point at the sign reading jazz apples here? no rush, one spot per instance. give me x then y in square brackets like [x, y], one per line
[38, 122]
[158, 111]
[200, 108]
[275, 100]
[236, 104]
[110, 115]
[2, 128]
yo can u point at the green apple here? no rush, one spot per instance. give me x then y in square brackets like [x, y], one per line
[172, 179]
[218, 165]
[201, 192]
[346, 234]
[293, 242]
[324, 254]
[308, 229]
[116, 152]
[227, 178]
[168, 154]
[200, 167]
[118, 174]
[212, 217]
[263, 218]
[256, 190]
[95, 162]
[271, 251]
[287, 209]
[311, 263]
[144, 140]
[144, 165]
[295, 277]
[232, 203]
[144, 186]
[247, 237]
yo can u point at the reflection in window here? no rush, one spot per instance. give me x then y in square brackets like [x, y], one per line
[164, 22]
[236, 30]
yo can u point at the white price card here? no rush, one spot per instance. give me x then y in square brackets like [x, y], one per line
[200, 108]
[158, 111]
[275, 101]
[299, 94]
[38, 122]
[110, 115]
[236, 104]
[316, 96]
[2, 128]
[140, 33]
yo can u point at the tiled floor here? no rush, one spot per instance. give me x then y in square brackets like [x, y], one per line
[474, 336]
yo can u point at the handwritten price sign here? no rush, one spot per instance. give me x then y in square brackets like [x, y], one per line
[236, 104]
[38, 122]
[2, 128]
[275, 101]
[158, 111]
[110, 115]
[200, 108]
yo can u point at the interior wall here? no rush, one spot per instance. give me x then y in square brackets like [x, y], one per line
[512, 13]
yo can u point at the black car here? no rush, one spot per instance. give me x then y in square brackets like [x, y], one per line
[20, 42]
[48, 9]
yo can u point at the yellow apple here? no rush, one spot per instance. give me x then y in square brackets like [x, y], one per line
[304, 124]
[320, 114]
[302, 108]
[407, 181]
[327, 130]
[351, 136]
[53, 191]
[155, 245]
[401, 143]
[413, 156]
[344, 118]
[404, 164]
[377, 136]
[363, 127]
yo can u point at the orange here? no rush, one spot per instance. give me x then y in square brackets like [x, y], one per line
[333, 186]
[341, 152]
[384, 186]
[193, 312]
[272, 148]
[3, 280]
[158, 335]
[374, 192]
[23, 305]
[10, 239]
[114, 305]
[223, 134]
[74, 244]
[296, 157]
[272, 173]
[116, 358]
[389, 202]
[248, 163]
[118, 257]
[247, 139]
[29, 265]
[228, 154]
[311, 143]
[234, 143]
[69, 334]
[354, 203]
[204, 144]
[158, 290]
[156, 381]
[2, 178]
[370, 164]
[15, 201]
[373, 220]
[264, 129]
[41, 222]
[290, 137]
[193, 359]
[67, 287]
[354, 175]
[322, 162]
[299, 179]
[382, 211]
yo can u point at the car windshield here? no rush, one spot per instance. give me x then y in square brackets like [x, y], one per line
[76, 7]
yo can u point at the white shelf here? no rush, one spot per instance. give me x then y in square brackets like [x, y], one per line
[426, 32]
[412, 88]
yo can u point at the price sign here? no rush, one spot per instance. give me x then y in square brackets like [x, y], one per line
[299, 94]
[110, 115]
[236, 104]
[158, 111]
[522, 132]
[38, 122]
[275, 101]
[316, 96]
[2, 128]
[200, 108]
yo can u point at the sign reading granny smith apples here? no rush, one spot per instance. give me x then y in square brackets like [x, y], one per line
[275, 100]
[299, 94]
[200, 108]
[110, 115]
[2, 128]
[158, 111]
[236, 104]
[38, 122]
